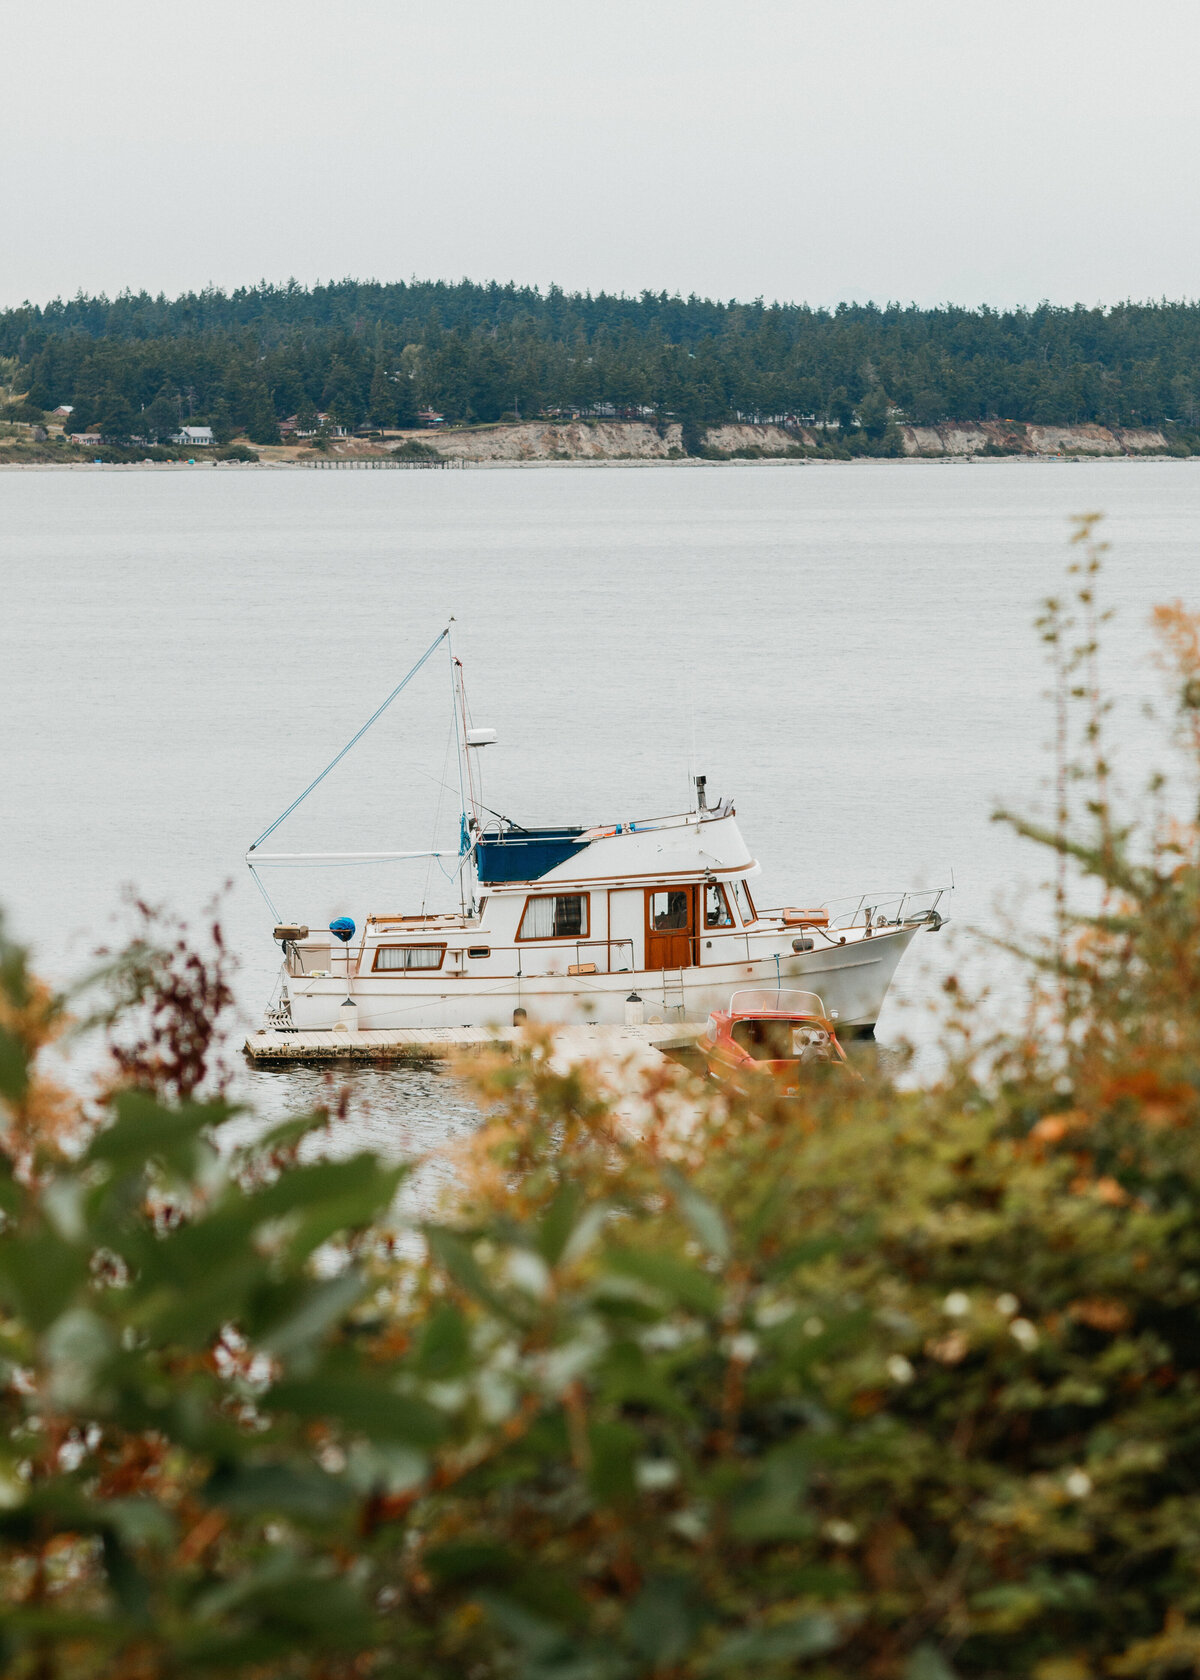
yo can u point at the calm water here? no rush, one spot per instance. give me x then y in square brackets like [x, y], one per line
[845, 649]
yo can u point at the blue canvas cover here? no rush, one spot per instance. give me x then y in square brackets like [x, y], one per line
[523, 854]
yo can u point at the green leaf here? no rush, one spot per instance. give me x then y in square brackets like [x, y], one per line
[627, 1375]
[802, 1254]
[12, 1194]
[469, 1560]
[76, 1348]
[768, 1506]
[287, 1490]
[456, 1259]
[139, 1522]
[614, 1451]
[294, 1606]
[362, 1406]
[126, 1581]
[328, 1197]
[322, 1306]
[39, 1275]
[806, 1636]
[211, 1288]
[557, 1223]
[928, 1663]
[14, 972]
[663, 1621]
[286, 1135]
[671, 1277]
[444, 1350]
[14, 1067]
[145, 1129]
[550, 1650]
[705, 1220]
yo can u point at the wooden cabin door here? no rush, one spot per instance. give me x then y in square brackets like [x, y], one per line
[670, 927]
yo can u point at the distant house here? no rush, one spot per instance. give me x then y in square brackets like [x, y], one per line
[291, 427]
[194, 437]
[64, 409]
[84, 437]
[427, 417]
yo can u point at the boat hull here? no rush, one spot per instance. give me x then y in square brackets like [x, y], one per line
[852, 980]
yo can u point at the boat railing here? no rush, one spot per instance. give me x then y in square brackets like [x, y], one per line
[606, 946]
[887, 909]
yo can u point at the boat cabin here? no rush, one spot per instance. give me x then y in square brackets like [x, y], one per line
[631, 898]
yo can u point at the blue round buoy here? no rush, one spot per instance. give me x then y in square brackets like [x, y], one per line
[342, 928]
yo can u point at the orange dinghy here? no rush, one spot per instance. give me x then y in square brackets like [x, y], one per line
[770, 1037]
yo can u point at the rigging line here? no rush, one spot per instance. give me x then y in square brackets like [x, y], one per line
[374, 718]
[474, 770]
[498, 814]
[355, 863]
[265, 893]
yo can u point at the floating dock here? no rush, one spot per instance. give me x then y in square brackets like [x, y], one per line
[273, 1046]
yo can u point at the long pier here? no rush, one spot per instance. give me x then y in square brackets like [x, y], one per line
[374, 462]
[273, 1045]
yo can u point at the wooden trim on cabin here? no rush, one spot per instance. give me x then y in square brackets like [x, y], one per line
[411, 945]
[547, 938]
[690, 876]
[745, 886]
[718, 927]
[441, 919]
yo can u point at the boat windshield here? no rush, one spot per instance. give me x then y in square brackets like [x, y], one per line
[766, 1040]
[773, 1001]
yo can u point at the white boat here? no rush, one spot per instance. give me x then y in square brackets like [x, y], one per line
[652, 920]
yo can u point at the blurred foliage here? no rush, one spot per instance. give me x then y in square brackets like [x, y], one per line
[884, 1382]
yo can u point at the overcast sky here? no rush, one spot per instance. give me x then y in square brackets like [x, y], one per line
[935, 150]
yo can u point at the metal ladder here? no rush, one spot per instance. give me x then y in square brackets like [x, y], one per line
[672, 986]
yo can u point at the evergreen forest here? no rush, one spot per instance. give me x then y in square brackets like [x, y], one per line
[372, 354]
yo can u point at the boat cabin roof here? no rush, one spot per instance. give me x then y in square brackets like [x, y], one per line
[685, 847]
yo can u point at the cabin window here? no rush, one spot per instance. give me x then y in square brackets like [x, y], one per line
[478, 952]
[745, 904]
[391, 958]
[717, 913]
[670, 911]
[555, 916]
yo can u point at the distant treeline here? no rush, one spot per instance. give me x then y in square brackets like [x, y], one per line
[375, 354]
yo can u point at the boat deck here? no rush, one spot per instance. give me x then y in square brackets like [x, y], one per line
[433, 1044]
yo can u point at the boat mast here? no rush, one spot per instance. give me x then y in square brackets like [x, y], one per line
[458, 711]
[469, 741]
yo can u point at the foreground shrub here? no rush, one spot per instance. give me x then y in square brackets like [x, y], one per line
[884, 1383]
